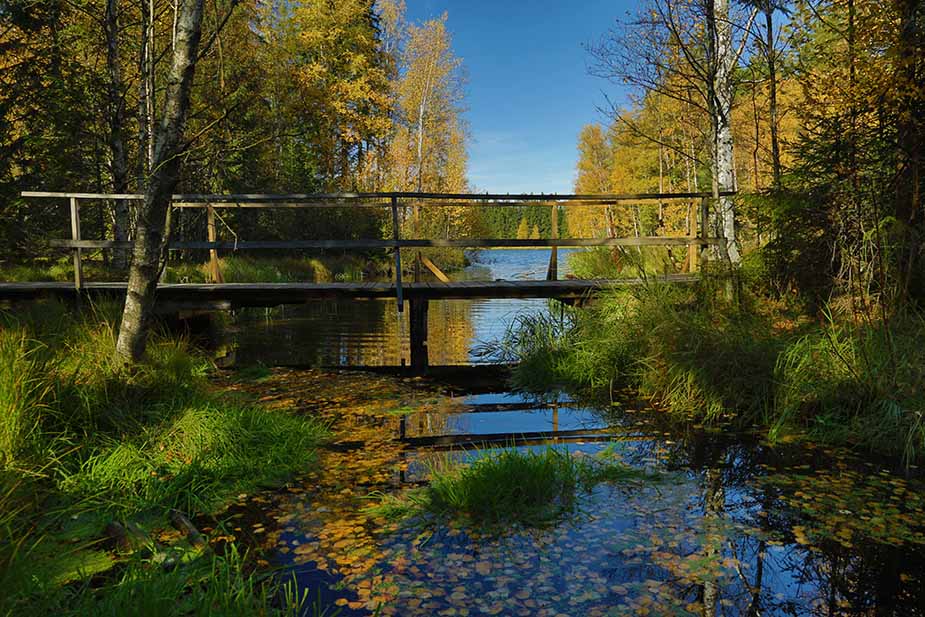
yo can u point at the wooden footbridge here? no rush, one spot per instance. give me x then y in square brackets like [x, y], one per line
[218, 295]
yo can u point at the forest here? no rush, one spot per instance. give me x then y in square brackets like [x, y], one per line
[286, 98]
[732, 423]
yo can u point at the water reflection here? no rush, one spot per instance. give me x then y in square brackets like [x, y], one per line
[737, 529]
[373, 333]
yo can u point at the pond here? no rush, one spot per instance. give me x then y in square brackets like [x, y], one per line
[719, 524]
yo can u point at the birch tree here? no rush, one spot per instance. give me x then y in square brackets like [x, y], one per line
[687, 51]
[152, 227]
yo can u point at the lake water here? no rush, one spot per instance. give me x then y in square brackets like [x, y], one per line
[733, 526]
[374, 333]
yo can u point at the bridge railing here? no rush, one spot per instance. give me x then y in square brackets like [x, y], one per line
[697, 240]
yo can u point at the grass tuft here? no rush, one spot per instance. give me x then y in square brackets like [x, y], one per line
[532, 488]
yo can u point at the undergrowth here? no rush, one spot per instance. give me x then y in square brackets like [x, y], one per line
[626, 262]
[85, 441]
[234, 268]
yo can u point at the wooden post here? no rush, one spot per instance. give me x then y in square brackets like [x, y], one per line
[75, 235]
[693, 249]
[396, 235]
[443, 278]
[704, 229]
[419, 359]
[417, 234]
[552, 273]
[215, 271]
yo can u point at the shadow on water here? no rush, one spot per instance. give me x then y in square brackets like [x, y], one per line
[739, 527]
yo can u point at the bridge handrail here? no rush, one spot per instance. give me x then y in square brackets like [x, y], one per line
[324, 199]
[391, 200]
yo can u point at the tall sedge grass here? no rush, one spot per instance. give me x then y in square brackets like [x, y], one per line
[24, 394]
[631, 262]
[847, 380]
[708, 360]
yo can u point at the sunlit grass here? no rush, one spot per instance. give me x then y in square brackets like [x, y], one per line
[629, 262]
[85, 440]
[250, 269]
[234, 268]
[511, 486]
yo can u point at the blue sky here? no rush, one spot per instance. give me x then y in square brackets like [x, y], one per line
[529, 92]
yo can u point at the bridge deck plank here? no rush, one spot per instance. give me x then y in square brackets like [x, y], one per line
[271, 294]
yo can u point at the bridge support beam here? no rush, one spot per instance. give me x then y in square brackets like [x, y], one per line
[419, 359]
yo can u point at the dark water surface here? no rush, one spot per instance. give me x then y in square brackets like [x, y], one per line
[733, 527]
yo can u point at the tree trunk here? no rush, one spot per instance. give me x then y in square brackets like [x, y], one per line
[720, 36]
[911, 141]
[118, 163]
[153, 218]
[772, 93]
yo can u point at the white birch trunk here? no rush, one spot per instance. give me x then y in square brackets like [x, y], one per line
[724, 161]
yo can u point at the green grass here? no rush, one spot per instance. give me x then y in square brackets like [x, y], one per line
[85, 441]
[749, 364]
[243, 269]
[524, 487]
[59, 269]
[235, 269]
[211, 586]
[845, 381]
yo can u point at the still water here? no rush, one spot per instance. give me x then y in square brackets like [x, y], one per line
[374, 333]
[734, 526]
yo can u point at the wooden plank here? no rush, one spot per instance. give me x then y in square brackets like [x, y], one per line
[396, 237]
[258, 205]
[391, 244]
[704, 228]
[215, 271]
[57, 195]
[501, 438]
[435, 270]
[552, 272]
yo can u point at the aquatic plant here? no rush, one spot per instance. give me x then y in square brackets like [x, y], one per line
[509, 486]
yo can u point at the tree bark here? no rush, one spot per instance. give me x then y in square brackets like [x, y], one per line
[772, 93]
[153, 219]
[118, 163]
[722, 91]
[911, 141]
